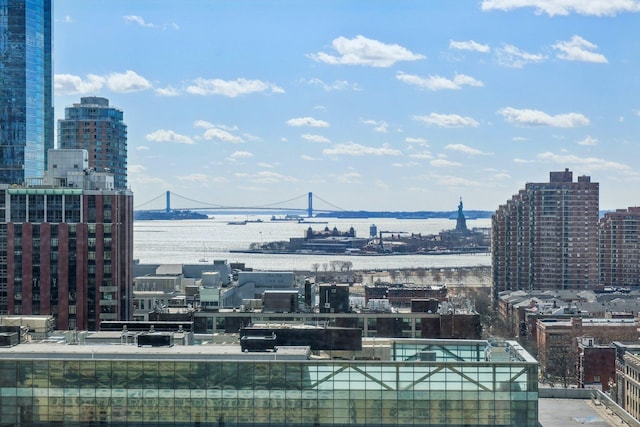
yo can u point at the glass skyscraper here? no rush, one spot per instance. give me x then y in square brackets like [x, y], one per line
[26, 89]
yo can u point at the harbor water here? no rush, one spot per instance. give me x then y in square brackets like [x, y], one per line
[203, 241]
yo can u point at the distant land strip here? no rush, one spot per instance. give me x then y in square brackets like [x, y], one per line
[471, 214]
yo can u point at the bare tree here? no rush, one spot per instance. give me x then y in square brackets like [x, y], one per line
[315, 266]
[560, 366]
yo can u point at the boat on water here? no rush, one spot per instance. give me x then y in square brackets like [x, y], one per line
[286, 218]
[237, 223]
[168, 215]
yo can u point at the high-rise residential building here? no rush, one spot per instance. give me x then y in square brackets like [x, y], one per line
[620, 247]
[66, 245]
[546, 236]
[98, 128]
[26, 101]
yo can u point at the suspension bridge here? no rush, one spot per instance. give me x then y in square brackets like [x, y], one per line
[189, 204]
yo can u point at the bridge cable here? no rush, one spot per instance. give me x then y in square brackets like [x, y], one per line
[328, 203]
[197, 201]
[282, 202]
[149, 201]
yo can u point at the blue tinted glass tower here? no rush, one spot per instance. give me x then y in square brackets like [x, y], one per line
[26, 98]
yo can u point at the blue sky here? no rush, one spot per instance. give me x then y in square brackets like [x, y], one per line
[377, 105]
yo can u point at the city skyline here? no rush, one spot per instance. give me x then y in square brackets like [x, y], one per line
[409, 106]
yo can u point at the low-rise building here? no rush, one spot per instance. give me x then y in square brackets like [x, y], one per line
[387, 383]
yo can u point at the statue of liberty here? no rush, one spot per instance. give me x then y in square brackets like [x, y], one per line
[461, 222]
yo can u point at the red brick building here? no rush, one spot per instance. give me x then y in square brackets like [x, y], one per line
[596, 364]
[66, 246]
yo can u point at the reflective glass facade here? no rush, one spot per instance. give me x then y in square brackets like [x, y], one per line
[26, 104]
[146, 389]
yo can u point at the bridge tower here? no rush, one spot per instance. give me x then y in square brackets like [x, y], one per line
[310, 206]
[168, 204]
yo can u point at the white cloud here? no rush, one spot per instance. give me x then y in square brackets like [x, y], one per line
[218, 134]
[453, 181]
[270, 177]
[447, 120]
[425, 155]
[266, 165]
[139, 20]
[469, 45]
[127, 82]
[349, 178]
[231, 88]
[136, 169]
[207, 125]
[579, 49]
[163, 135]
[501, 176]
[440, 163]
[315, 138]
[405, 165]
[68, 84]
[378, 125]
[308, 158]
[168, 91]
[198, 178]
[363, 51]
[510, 56]
[438, 82]
[336, 85]
[565, 7]
[352, 149]
[522, 161]
[250, 137]
[240, 155]
[308, 121]
[589, 141]
[588, 164]
[143, 148]
[540, 118]
[418, 141]
[465, 149]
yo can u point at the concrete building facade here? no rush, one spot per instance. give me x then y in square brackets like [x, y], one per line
[620, 248]
[546, 236]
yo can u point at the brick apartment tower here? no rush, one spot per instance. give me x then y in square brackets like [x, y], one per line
[620, 247]
[546, 236]
[98, 128]
[66, 246]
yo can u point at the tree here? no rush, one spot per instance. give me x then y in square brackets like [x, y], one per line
[315, 266]
[560, 366]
